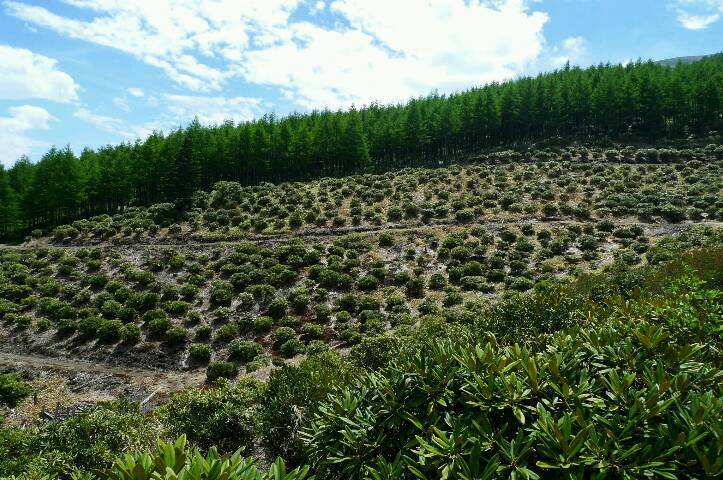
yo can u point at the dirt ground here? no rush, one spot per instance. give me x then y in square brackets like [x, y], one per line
[66, 381]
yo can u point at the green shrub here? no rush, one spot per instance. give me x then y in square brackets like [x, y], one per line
[89, 326]
[12, 389]
[67, 326]
[127, 314]
[263, 324]
[522, 284]
[282, 335]
[476, 283]
[323, 313]
[170, 461]
[109, 331]
[312, 331]
[159, 326]
[437, 281]
[244, 350]
[277, 308]
[130, 333]
[415, 287]
[386, 239]
[176, 335]
[466, 383]
[226, 332]
[394, 214]
[199, 352]
[300, 303]
[85, 442]
[220, 369]
[203, 331]
[224, 416]
[177, 307]
[291, 347]
[290, 399]
[376, 351]
[465, 215]
[368, 283]
[221, 293]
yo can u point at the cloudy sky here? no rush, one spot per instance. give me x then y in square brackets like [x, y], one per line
[92, 72]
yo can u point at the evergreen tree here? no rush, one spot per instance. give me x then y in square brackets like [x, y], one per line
[187, 171]
[355, 145]
[639, 99]
[9, 214]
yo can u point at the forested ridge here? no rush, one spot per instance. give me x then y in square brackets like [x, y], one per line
[639, 100]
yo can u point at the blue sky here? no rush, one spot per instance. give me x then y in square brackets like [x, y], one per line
[92, 72]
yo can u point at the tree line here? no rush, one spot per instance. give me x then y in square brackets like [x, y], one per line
[641, 99]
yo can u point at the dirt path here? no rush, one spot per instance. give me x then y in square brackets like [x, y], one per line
[167, 381]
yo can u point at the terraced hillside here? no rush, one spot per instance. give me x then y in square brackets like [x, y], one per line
[443, 294]
[569, 184]
[254, 274]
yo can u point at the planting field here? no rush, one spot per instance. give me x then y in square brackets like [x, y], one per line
[253, 274]
[491, 303]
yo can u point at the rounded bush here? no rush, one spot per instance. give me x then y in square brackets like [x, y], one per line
[277, 308]
[262, 324]
[282, 335]
[199, 352]
[221, 369]
[131, 333]
[176, 335]
[312, 331]
[244, 350]
[291, 347]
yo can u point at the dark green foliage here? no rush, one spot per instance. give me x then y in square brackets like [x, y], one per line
[159, 326]
[170, 461]
[88, 441]
[291, 347]
[263, 324]
[283, 335]
[176, 335]
[110, 331]
[640, 99]
[244, 350]
[292, 393]
[224, 416]
[510, 411]
[130, 333]
[221, 293]
[375, 352]
[220, 369]
[277, 308]
[12, 389]
[415, 287]
[199, 352]
[312, 331]
[226, 332]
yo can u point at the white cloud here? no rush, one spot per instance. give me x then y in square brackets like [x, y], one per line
[697, 22]
[213, 109]
[374, 51]
[14, 129]
[698, 14]
[169, 33]
[121, 103]
[136, 92]
[318, 7]
[384, 55]
[571, 50]
[107, 124]
[178, 110]
[121, 128]
[25, 74]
